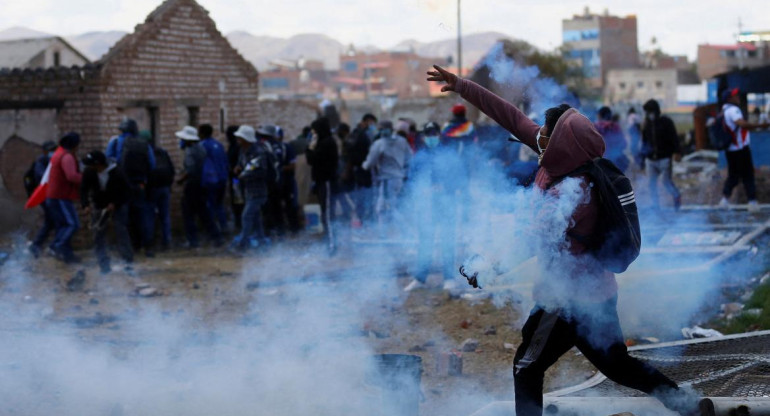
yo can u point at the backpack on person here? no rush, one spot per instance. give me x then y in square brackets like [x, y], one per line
[30, 180]
[163, 174]
[720, 134]
[135, 159]
[617, 241]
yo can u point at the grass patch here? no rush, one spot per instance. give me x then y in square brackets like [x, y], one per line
[745, 322]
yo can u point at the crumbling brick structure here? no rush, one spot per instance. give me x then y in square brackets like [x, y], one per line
[175, 69]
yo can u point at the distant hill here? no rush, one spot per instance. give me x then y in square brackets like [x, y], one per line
[260, 50]
[19, 32]
[95, 44]
[475, 46]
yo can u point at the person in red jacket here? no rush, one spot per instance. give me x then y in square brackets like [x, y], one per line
[575, 297]
[63, 190]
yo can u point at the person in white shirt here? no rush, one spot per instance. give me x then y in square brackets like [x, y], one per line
[740, 166]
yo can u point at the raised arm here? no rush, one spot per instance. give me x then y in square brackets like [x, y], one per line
[503, 112]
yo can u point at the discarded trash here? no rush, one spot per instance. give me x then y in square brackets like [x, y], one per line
[731, 310]
[509, 346]
[92, 321]
[146, 291]
[469, 345]
[490, 330]
[449, 363]
[76, 282]
[698, 332]
[466, 323]
[630, 342]
[753, 312]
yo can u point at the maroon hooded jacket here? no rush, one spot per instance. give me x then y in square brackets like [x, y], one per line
[574, 141]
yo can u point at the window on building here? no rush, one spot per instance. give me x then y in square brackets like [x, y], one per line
[222, 120]
[659, 84]
[640, 84]
[752, 54]
[350, 66]
[622, 85]
[56, 59]
[275, 83]
[192, 116]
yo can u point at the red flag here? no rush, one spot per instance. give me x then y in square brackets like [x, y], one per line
[38, 197]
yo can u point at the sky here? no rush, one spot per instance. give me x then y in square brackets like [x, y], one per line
[678, 25]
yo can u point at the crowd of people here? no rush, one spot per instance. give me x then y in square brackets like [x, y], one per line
[245, 188]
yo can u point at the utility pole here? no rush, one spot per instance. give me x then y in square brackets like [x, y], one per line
[459, 43]
[741, 63]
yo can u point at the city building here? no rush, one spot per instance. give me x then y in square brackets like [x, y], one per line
[599, 43]
[301, 79]
[635, 86]
[383, 75]
[47, 52]
[751, 51]
[175, 69]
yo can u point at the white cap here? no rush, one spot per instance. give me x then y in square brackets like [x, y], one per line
[246, 133]
[189, 133]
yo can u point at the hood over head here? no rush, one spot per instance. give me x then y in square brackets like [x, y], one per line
[652, 106]
[574, 141]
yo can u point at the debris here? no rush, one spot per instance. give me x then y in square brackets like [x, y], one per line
[764, 279]
[91, 321]
[698, 332]
[490, 330]
[76, 282]
[28, 299]
[252, 285]
[509, 346]
[753, 312]
[630, 342]
[449, 363]
[466, 323]
[417, 348]
[731, 310]
[94, 301]
[469, 345]
[196, 286]
[149, 292]
[475, 296]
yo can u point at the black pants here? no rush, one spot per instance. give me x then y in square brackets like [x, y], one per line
[326, 192]
[740, 167]
[596, 332]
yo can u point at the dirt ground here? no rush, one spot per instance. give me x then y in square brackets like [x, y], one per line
[218, 288]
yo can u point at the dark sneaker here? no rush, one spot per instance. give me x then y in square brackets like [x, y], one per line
[34, 250]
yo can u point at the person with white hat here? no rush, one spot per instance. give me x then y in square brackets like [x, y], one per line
[193, 198]
[255, 169]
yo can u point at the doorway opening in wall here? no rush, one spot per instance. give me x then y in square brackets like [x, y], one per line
[192, 116]
[152, 114]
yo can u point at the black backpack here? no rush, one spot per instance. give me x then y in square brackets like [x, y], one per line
[617, 241]
[30, 180]
[720, 134]
[135, 159]
[163, 174]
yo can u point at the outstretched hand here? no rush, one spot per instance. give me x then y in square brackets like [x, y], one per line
[442, 75]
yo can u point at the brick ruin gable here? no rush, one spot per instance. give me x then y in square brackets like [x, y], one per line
[174, 60]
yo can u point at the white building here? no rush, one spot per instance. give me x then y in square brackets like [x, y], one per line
[49, 52]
